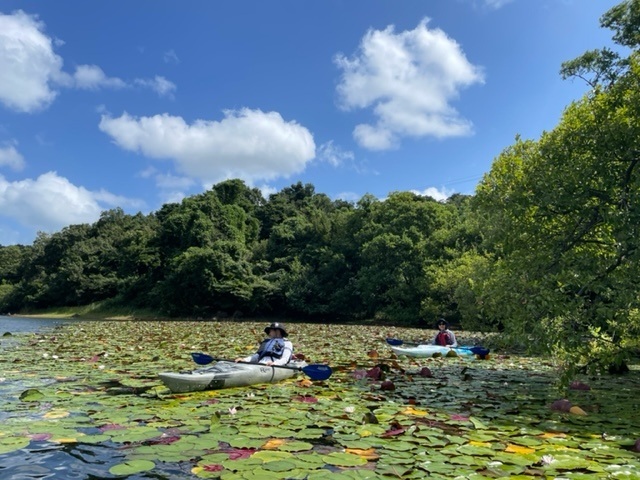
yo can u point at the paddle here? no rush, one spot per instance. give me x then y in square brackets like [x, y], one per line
[316, 371]
[475, 350]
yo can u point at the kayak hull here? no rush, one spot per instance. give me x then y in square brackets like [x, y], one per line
[227, 375]
[424, 351]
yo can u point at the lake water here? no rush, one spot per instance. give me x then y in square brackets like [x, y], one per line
[46, 461]
[15, 324]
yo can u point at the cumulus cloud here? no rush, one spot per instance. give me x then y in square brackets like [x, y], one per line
[50, 202]
[433, 192]
[28, 64]
[408, 80]
[10, 157]
[31, 73]
[247, 144]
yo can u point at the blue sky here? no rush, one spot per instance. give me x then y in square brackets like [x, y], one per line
[107, 104]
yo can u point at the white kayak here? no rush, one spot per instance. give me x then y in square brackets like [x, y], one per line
[227, 375]
[431, 350]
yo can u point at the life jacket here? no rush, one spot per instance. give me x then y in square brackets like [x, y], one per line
[271, 347]
[443, 338]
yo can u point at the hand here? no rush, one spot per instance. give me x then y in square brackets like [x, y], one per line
[238, 360]
[269, 363]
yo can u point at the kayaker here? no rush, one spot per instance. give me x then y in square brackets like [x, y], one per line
[276, 349]
[444, 337]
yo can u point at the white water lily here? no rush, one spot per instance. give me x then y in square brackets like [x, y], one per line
[349, 409]
[547, 459]
[45, 355]
[233, 410]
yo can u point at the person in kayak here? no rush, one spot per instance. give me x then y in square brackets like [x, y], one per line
[276, 349]
[444, 337]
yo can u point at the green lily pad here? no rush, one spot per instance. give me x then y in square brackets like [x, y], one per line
[132, 467]
[344, 459]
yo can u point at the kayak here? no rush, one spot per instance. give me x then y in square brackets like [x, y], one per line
[225, 374]
[431, 350]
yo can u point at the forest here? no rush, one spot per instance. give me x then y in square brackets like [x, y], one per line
[545, 251]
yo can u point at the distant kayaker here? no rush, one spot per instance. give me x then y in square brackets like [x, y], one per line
[276, 349]
[444, 337]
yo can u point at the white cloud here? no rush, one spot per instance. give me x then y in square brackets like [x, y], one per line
[171, 182]
[91, 77]
[10, 157]
[28, 64]
[31, 72]
[496, 3]
[171, 57]
[333, 154]
[158, 84]
[267, 190]
[247, 144]
[349, 196]
[51, 202]
[433, 192]
[409, 80]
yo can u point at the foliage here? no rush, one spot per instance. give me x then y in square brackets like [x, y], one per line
[562, 216]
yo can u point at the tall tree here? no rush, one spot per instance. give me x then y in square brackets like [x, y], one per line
[563, 214]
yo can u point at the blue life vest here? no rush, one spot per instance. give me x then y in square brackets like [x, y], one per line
[271, 347]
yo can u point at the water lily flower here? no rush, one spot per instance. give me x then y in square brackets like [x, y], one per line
[233, 410]
[349, 409]
[547, 459]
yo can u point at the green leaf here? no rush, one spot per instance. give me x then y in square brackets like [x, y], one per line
[132, 467]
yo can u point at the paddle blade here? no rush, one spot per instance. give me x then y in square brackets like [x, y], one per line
[394, 342]
[202, 358]
[317, 371]
[483, 352]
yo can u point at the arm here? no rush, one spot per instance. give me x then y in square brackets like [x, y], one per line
[454, 342]
[251, 358]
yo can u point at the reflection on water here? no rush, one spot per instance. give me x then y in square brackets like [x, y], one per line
[51, 461]
[48, 461]
[11, 329]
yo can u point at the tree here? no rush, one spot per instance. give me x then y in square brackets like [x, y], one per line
[563, 215]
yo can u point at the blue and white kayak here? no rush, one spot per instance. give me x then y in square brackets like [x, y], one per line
[436, 350]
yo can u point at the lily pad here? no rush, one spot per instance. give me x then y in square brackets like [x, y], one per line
[132, 467]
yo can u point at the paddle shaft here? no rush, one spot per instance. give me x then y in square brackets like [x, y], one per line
[314, 371]
[256, 363]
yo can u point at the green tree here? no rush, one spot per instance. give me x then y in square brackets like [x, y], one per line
[399, 242]
[563, 215]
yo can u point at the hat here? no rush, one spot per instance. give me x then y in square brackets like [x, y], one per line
[442, 321]
[276, 326]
